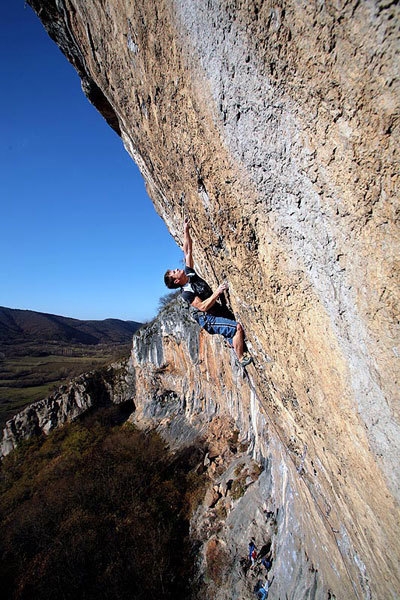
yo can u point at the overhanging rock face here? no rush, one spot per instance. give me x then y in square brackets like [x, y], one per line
[274, 127]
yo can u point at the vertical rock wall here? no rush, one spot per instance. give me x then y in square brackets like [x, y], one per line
[190, 387]
[274, 126]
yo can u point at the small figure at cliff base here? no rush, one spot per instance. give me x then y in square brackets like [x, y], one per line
[261, 590]
[252, 548]
[205, 306]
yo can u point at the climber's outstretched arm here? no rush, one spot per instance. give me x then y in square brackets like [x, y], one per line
[187, 244]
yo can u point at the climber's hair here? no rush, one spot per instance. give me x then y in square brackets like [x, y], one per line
[169, 281]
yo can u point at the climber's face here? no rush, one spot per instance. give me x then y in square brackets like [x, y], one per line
[179, 276]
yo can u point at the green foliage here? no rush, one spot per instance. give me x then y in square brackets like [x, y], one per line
[95, 511]
[238, 489]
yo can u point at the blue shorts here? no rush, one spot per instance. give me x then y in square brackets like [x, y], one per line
[219, 325]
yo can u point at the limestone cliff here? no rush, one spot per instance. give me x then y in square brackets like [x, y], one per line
[274, 127]
[112, 384]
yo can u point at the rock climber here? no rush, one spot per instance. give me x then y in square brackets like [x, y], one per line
[261, 590]
[205, 306]
[252, 548]
[253, 558]
[266, 562]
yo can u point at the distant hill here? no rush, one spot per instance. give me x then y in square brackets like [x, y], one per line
[27, 326]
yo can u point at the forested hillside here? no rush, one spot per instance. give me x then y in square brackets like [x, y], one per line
[97, 510]
[40, 351]
[28, 326]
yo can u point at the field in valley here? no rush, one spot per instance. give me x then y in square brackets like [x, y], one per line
[31, 373]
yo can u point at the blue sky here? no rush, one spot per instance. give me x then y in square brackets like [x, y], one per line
[79, 236]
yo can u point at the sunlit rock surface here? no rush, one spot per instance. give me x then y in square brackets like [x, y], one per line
[274, 127]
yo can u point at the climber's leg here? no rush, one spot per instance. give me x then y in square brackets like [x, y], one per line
[231, 330]
[238, 341]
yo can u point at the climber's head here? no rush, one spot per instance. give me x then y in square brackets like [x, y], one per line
[175, 278]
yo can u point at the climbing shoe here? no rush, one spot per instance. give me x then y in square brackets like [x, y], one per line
[245, 360]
